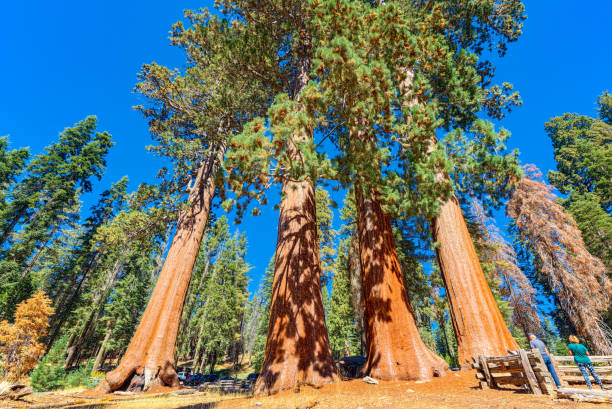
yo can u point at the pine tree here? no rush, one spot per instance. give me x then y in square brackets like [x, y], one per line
[265, 295]
[344, 336]
[12, 163]
[595, 225]
[70, 278]
[45, 199]
[581, 146]
[225, 296]
[577, 280]
[325, 233]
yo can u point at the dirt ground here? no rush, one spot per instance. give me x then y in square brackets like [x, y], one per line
[456, 390]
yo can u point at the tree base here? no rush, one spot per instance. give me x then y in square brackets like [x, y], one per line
[395, 348]
[139, 379]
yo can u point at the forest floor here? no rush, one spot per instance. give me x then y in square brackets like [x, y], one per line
[456, 390]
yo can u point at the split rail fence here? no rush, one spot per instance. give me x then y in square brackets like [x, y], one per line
[569, 372]
[527, 369]
[524, 369]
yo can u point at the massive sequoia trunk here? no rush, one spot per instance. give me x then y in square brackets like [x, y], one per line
[479, 326]
[151, 350]
[297, 347]
[395, 349]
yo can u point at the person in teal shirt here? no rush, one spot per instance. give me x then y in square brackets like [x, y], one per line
[581, 358]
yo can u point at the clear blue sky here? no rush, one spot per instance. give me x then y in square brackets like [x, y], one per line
[63, 60]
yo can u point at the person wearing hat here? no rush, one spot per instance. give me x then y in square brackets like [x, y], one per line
[535, 343]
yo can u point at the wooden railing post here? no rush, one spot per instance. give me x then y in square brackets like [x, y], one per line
[531, 378]
[485, 370]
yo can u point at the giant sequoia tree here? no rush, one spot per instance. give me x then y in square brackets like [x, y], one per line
[191, 116]
[297, 348]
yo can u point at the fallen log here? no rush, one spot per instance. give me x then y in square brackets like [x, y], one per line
[14, 392]
[585, 395]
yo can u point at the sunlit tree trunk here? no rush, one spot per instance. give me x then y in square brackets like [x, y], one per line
[151, 350]
[297, 348]
[479, 326]
[394, 347]
[102, 351]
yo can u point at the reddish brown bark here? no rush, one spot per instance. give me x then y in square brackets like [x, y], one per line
[297, 349]
[479, 326]
[395, 349]
[151, 350]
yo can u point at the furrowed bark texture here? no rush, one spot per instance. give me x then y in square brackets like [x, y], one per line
[297, 349]
[151, 350]
[479, 326]
[394, 347]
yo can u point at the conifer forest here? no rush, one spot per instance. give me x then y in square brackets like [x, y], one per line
[410, 233]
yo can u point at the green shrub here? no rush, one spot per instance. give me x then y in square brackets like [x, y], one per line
[50, 374]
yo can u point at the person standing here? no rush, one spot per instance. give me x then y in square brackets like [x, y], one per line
[535, 343]
[581, 358]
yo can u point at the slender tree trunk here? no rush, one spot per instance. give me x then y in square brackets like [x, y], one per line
[64, 306]
[40, 250]
[297, 348]
[152, 347]
[213, 362]
[204, 361]
[97, 304]
[354, 269]
[102, 351]
[395, 349]
[479, 326]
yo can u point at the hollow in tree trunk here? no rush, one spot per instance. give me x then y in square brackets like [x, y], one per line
[394, 347]
[151, 350]
[297, 348]
[479, 326]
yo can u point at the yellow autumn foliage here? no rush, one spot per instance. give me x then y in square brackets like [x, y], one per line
[20, 346]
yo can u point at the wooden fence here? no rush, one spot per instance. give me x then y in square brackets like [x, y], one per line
[523, 369]
[569, 372]
[228, 386]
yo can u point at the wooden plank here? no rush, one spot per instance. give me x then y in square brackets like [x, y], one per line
[505, 370]
[485, 370]
[573, 368]
[531, 378]
[508, 358]
[607, 359]
[585, 395]
[511, 380]
[580, 379]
